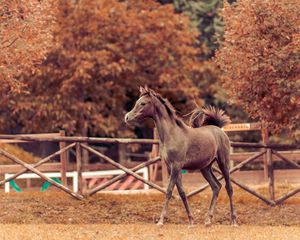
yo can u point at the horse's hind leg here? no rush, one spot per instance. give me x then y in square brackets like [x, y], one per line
[222, 162]
[184, 199]
[216, 187]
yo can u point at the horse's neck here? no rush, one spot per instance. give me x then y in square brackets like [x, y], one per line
[166, 128]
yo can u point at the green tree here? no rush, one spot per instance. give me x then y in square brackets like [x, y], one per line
[204, 14]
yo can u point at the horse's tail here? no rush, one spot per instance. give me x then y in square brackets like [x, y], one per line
[208, 116]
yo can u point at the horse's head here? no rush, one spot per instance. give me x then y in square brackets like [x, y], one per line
[143, 108]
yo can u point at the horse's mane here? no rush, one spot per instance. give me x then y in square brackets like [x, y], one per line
[165, 102]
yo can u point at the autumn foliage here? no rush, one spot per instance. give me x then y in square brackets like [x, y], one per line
[25, 36]
[104, 51]
[260, 60]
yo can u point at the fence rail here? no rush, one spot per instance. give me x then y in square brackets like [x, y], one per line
[33, 138]
[79, 144]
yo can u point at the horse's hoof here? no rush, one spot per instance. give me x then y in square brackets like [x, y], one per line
[207, 223]
[159, 224]
[191, 222]
[234, 223]
[191, 225]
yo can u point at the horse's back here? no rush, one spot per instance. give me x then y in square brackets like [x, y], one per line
[210, 133]
[205, 144]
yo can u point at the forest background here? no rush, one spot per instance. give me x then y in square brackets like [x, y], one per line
[77, 65]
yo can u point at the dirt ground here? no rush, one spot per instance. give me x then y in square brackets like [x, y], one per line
[55, 215]
[145, 232]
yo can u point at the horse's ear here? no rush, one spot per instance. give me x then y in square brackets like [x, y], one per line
[142, 90]
[146, 90]
[152, 92]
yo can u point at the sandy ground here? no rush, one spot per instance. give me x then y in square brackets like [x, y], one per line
[145, 232]
[55, 215]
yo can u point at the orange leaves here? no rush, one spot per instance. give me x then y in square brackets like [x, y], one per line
[25, 36]
[260, 59]
[104, 50]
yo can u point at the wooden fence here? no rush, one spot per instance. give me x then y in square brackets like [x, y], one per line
[80, 144]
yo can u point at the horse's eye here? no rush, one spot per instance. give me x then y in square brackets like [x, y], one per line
[143, 103]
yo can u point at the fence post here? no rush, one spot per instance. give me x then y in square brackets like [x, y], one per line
[63, 160]
[270, 174]
[122, 153]
[79, 167]
[265, 140]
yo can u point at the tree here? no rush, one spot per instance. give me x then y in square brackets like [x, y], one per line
[260, 60]
[25, 35]
[105, 50]
[205, 16]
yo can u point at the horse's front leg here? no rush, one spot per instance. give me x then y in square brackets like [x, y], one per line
[172, 181]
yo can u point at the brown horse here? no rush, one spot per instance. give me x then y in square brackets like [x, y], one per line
[194, 147]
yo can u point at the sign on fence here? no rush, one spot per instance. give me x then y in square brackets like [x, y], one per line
[237, 127]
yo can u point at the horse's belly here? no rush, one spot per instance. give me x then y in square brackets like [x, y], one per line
[196, 164]
[197, 159]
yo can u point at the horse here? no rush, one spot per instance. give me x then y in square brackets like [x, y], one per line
[192, 147]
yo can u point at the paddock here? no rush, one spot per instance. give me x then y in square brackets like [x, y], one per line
[55, 215]
[265, 211]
